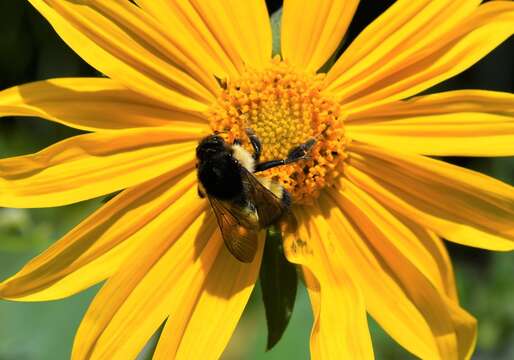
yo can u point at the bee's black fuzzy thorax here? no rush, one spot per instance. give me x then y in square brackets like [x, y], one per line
[210, 147]
[220, 176]
[218, 171]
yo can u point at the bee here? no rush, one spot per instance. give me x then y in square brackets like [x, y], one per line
[243, 202]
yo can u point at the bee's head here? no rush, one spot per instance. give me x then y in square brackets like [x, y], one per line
[209, 147]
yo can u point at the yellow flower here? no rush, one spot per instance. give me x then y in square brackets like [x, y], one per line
[372, 208]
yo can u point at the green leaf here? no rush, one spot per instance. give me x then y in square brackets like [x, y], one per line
[148, 351]
[276, 21]
[109, 197]
[334, 57]
[279, 282]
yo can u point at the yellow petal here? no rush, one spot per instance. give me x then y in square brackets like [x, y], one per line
[385, 299]
[383, 235]
[88, 104]
[91, 165]
[449, 102]
[402, 30]
[460, 123]
[340, 328]
[205, 309]
[192, 31]
[241, 28]
[458, 204]
[96, 248]
[126, 44]
[465, 328]
[133, 302]
[403, 240]
[437, 249]
[157, 37]
[312, 30]
[415, 45]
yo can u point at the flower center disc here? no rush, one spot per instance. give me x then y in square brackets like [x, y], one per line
[285, 108]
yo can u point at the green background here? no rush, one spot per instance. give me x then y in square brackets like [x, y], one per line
[30, 50]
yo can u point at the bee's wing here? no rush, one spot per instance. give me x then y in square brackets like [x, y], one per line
[240, 238]
[269, 207]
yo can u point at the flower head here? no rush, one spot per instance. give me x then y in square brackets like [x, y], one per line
[286, 107]
[372, 207]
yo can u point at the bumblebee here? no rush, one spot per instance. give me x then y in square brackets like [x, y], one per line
[243, 202]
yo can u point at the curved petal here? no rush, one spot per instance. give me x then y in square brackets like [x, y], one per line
[402, 320]
[237, 30]
[133, 302]
[415, 45]
[91, 104]
[435, 246]
[384, 236]
[312, 30]
[460, 123]
[126, 44]
[448, 102]
[91, 165]
[192, 30]
[96, 248]
[386, 38]
[458, 204]
[213, 301]
[465, 329]
[340, 329]
[400, 237]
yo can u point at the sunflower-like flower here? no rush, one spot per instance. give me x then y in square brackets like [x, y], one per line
[371, 207]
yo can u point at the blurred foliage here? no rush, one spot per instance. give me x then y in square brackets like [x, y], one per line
[30, 50]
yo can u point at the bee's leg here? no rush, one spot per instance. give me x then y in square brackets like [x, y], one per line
[297, 153]
[256, 144]
[300, 152]
[236, 142]
[269, 164]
